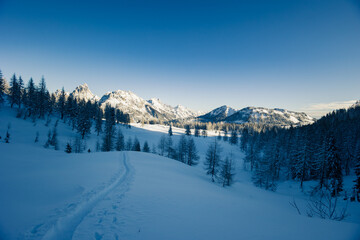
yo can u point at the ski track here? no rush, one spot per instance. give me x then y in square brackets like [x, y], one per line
[66, 226]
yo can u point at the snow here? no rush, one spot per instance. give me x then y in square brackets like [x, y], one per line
[47, 194]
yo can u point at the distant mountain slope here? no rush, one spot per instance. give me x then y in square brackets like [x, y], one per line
[218, 114]
[83, 92]
[280, 117]
[275, 116]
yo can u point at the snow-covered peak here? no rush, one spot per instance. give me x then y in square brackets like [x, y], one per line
[219, 114]
[82, 92]
[277, 116]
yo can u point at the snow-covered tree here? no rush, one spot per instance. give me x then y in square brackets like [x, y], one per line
[2, 88]
[334, 170]
[182, 149]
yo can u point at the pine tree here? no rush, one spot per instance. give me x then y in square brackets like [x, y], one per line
[191, 153]
[357, 173]
[182, 149]
[136, 146]
[161, 145]
[109, 129]
[98, 120]
[129, 144]
[68, 148]
[234, 137]
[213, 160]
[227, 172]
[54, 141]
[20, 93]
[169, 147]
[2, 89]
[197, 131]
[335, 171]
[120, 141]
[42, 98]
[61, 103]
[83, 122]
[187, 130]
[170, 131]
[13, 91]
[146, 147]
[30, 97]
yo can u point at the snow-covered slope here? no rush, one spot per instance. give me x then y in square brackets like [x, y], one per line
[82, 92]
[280, 117]
[47, 194]
[275, 116]
[218, 114]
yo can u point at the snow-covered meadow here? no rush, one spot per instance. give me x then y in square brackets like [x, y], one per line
[48, 194]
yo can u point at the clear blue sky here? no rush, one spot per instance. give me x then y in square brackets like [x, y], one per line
[201, 54]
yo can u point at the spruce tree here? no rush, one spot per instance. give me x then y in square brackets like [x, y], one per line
[61, 103]
[357, 173]
[68, 148]
[13, 91]
[98, 120]
[227, 172]
[170, 131]
[187, 130]
[213, 159]
[136, 146]
[335, 172]
[161, 145]
[234, 137]
[84, 122]
[146, 147]
[109, 129]
[192, 156]
[182, 149]
[197, 131]
[42, 98]
[2, 89]
[120, 141]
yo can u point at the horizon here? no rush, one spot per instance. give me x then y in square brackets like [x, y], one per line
[297, 55]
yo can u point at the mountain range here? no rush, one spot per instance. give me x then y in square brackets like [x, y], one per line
[153, 109]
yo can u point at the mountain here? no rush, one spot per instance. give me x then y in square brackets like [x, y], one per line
[140, 109]
[218, 114]
[279, 117]
[82, 92]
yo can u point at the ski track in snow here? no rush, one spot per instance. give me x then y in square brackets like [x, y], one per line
[65, 226]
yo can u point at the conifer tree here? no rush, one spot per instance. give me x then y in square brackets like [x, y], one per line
[2, 89]
[227, 172]
[161, 145]
[192, 156]
[335, 171]
[146, 147]
[136, 146]
[42, 98]
[68, 148]
[213, 159]
[187, 130]
[234, 137]
[120, 141]
[98, 120]
[357, 173]
[170, 131]
[182, 149]
[61, 103]
[13, 91]
[197, 131]
[84, 122]
[109, 129]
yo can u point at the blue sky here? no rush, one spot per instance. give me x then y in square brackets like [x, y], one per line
[292, 54]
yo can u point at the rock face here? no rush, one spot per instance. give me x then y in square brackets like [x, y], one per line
[83, 92]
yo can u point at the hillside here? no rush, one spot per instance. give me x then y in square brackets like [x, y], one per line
[134, 195]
